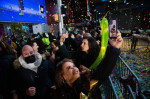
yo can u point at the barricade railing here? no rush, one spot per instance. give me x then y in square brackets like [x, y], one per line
[126, 46]
[122, 83]
[127, 81]
[109, 89]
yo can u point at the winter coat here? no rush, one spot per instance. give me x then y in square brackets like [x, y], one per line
[105, 68]
[61, 53]
[6, 75]
[71, 44]
[42, 80]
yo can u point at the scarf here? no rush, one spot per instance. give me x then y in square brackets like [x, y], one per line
[32, 66]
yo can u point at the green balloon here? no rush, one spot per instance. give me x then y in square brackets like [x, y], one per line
[104, 42]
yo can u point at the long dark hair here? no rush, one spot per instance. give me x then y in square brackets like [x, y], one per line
[31, 43]
[94, 48]
[59, 80]
[40, 43]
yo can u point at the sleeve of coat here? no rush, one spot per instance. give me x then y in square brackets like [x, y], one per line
[64, 52]
[108, 63]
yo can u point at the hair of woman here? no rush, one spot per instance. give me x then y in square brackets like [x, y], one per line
[94, 48]
[7, 49]
[59, 79]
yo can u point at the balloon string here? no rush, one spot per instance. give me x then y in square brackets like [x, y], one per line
[108, 12]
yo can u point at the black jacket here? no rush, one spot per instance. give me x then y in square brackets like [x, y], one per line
[85, 59]
[6, 75]
[105, 68]
[42, 80]
[71, 44]
[108, 63]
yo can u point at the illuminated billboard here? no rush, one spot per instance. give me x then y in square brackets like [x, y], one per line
[33, 11]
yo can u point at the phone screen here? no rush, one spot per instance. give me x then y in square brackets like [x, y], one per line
[112, 29]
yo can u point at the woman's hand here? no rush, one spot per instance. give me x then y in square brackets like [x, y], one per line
[83, 69]
[14, 94]
[31, 91]
[118, 41]
[62, 39]
[47, 53]
[52, 58]
[55, 50]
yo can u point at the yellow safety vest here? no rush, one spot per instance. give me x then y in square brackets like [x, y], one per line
[47, 42]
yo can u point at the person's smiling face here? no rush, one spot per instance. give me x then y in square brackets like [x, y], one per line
[70, 72]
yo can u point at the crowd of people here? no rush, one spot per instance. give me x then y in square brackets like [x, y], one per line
[43, 66]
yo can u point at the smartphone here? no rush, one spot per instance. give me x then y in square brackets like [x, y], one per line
[112, 29]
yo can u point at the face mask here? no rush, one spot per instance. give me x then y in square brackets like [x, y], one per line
[30, 59]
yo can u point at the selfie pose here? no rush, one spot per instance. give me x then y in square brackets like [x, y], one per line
[70, 82]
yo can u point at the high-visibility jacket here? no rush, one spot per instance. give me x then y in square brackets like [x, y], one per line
[46, 42]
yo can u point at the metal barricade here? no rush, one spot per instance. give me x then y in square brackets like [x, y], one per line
[126, 46]
[122, 83]
[109, 89]
[127, 81]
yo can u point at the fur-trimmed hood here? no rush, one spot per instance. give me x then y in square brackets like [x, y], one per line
[16, 64]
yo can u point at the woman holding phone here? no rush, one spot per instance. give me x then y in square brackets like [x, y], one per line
[70, 81]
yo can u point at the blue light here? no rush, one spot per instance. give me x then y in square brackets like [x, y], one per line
[25, 27]
[104, 0]
[9, 11]
[5, 4]
[124, 1]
